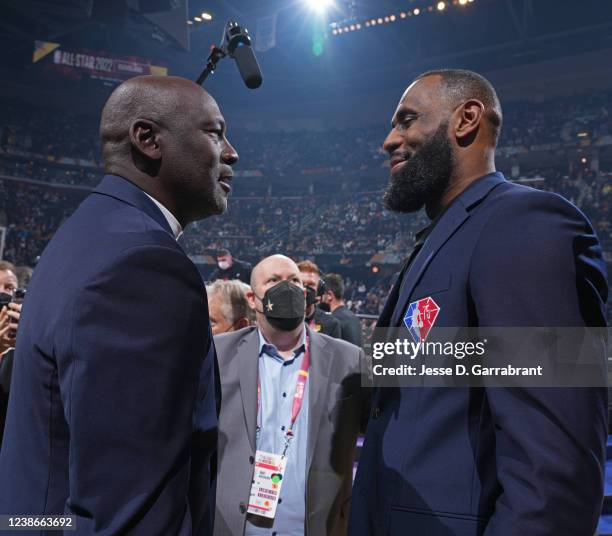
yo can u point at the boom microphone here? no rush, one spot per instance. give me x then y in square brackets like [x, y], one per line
[238, 43]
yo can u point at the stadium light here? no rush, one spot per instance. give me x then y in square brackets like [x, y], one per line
[320, 6]
[206, 16]
[416, 11]
[441, 6]
[463, 2]
[197, 19]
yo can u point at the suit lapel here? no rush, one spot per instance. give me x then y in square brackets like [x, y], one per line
[248, 372]
[318, 392]
[450, 221]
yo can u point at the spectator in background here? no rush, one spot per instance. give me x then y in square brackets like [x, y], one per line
[9, 319]
[318, 320]
[310, 403]
[230, 268]
[334, 296]
[228, 307]
[8, 279]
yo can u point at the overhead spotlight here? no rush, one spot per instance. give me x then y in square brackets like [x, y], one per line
[463, 2]
[367, 23]
[416, 11]
[197, 19]
[320, 6]
[373, 22]
[334, 32]
[583, 160]
[352, 27]
[392, 18]
[190, 22]
[380, 20]
[386, 19]
[403, 15]
[441, 6]
[206, 16]
[358, 26]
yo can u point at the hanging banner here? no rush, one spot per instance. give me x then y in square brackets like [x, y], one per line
[85, 64]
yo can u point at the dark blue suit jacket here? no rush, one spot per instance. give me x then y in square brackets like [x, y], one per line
[113, 339]
[492, 461]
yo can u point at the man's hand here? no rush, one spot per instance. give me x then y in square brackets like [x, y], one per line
[9, 321]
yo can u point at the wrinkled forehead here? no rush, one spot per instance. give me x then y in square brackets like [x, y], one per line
[276, 268]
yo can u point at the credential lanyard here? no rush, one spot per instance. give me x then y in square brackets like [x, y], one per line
[298, 396]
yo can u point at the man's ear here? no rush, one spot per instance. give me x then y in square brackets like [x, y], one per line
[467, 120]
[250, 296]
[145, 138]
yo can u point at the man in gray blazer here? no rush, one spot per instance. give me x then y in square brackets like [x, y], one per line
[260, 369]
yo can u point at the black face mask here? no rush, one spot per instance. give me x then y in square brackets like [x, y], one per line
[284, 305]
[311, 296]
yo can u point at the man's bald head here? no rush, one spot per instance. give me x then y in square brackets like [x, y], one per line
[167, 136]
[459, 85]
[165, 100]
[275, 267]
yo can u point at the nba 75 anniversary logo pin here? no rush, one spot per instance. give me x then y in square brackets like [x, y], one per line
[420, 317]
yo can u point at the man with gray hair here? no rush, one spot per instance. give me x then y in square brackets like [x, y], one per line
[228, 307]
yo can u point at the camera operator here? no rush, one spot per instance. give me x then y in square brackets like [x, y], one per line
[10, 309]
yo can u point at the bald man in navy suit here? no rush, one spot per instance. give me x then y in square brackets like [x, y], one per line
[113, 409]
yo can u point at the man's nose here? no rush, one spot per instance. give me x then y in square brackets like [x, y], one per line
[228, 154]
[392, 141]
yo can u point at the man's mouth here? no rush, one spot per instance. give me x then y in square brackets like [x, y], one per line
[396, 163]
[225, 183]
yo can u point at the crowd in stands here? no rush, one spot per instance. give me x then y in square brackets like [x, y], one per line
[342, 227]
[44, 137]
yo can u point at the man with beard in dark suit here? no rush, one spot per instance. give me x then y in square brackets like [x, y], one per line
[480, 460]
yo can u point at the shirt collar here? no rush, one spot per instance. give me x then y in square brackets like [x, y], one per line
[174, 224]
[266, 348]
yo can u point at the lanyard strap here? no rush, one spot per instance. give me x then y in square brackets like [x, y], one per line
[300, 387]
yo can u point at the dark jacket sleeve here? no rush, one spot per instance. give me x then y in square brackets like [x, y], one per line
[138, 344]
[351, 328]
[538, 263]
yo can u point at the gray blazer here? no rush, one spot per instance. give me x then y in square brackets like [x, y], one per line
[338, 408]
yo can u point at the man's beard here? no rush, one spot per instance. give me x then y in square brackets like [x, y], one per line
[424, 177]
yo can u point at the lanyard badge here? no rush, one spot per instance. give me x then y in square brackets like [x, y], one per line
[270, 467]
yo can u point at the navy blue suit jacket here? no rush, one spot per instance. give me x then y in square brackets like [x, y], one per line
[113, 343]
[492, 461]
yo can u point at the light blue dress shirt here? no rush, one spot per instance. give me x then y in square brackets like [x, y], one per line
[278, 379]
